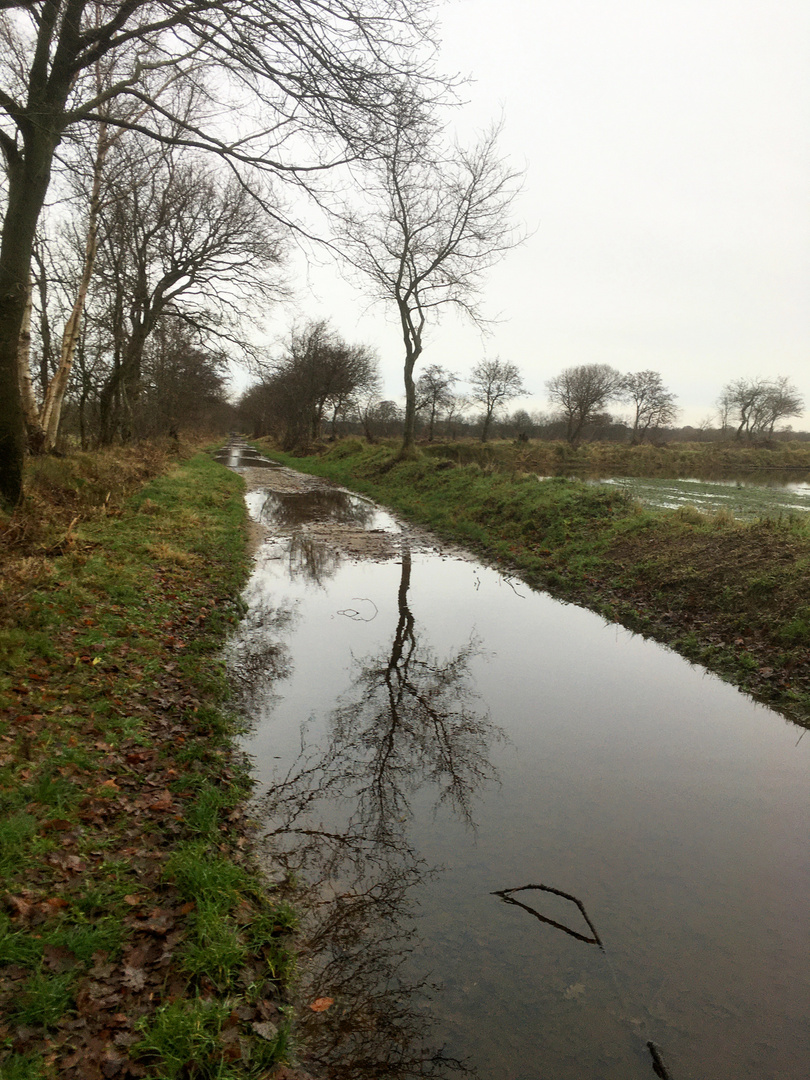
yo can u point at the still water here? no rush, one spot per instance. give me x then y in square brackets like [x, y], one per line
[432, 737]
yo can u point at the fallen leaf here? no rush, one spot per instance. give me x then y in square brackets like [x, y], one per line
[165, 802]
[22, 907]
[159, 922]
[52, 905]
[322, 1004]
[132, 899]
[134, 978]
[266, 1029]
[57, 825]
[58, 959]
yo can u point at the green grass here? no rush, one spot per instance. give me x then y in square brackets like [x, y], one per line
[22, 1067]
[190, 1038]
[707, 460]
[117, 779]
[44, 1000]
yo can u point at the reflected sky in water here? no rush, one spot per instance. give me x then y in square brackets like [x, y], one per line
[427, 734]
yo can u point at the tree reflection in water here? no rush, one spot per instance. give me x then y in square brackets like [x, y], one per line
[410, 722]
[289, 511]
[256, 655]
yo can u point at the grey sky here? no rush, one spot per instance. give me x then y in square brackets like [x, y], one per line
[667, 154]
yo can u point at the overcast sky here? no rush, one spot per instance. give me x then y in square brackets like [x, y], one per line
[666, 145]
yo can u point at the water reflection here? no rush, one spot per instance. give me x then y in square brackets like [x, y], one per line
[410, 722]
[311, 559]
[412, 719]
[241, 456]
[311, 550]
[258, 656]
[288, 510]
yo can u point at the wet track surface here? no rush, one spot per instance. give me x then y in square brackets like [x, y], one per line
[533, 842]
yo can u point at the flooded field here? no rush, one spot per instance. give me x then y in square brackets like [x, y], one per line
[754, 497]
[533, 845]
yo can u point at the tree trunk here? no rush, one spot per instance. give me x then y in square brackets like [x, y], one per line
[121, 389]
[34, 430]
[44, 325]
[412, 337]
[410, 402]
[432, 422]
[28, 177]
[485, 428]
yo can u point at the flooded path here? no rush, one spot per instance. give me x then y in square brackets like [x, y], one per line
[535, 845]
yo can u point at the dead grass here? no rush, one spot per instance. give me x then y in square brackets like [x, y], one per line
[61, 493]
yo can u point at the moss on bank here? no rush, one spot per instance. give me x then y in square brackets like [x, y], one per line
[733, 596]
[137, 937]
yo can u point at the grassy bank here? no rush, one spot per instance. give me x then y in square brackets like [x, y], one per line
[731, 595]
[703, 460]
[136, 936]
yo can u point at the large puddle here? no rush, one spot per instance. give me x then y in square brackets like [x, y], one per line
[535, 845]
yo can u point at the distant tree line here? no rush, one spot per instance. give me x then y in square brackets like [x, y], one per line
[299, 384]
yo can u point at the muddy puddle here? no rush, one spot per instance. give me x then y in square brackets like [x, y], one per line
[532, 845]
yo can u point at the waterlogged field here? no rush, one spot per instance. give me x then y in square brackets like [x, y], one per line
[747, 500]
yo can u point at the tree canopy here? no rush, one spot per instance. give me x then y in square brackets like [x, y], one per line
[581, 392]
[494, 383]
[753, 407]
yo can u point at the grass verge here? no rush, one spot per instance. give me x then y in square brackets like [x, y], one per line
[137, 937]
[733, 596]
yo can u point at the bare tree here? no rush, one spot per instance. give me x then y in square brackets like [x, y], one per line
[755, 406]
[379, 419]
[494, 383]
[87, 168]
[319, 376]
[520, 425]
[738, 404]
[437, 223]
[581, 393]
[653, 405]
[456, 414]
[319, 76]
[183, 384]
[434, 392]
[181, 243]
[321, 372]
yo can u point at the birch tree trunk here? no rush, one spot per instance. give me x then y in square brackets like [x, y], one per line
[36, 434]
[57, 388]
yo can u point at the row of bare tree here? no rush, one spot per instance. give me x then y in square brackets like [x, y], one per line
[320, 377]
[136, 295]
[748, 408]
[158, 154]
